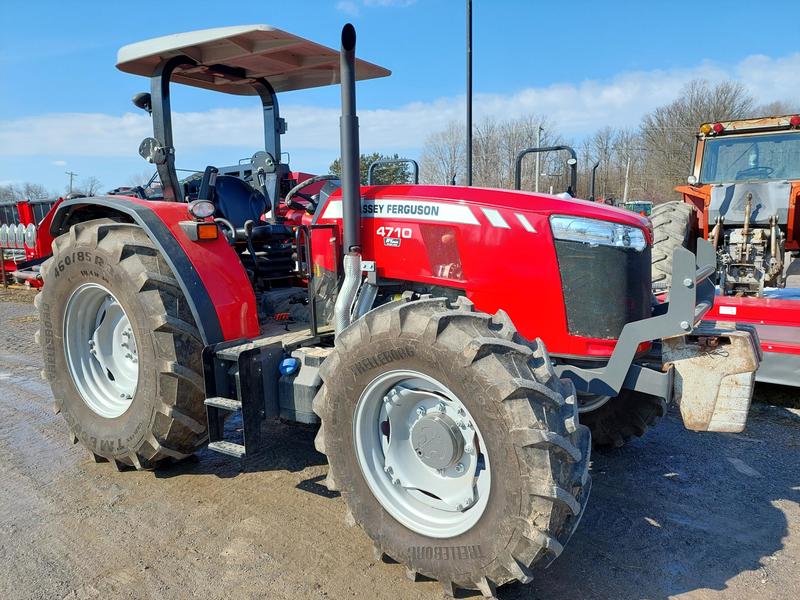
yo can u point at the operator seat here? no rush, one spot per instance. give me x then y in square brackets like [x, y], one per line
[238, 201]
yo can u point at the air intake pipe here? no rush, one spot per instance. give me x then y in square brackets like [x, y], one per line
[351, 182]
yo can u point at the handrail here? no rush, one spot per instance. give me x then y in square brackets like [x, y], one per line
[573, 164]
[388, 161]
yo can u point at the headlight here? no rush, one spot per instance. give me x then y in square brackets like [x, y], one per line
[597, 233]
[201, 209]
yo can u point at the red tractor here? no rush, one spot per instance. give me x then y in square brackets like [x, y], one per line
[408, 319]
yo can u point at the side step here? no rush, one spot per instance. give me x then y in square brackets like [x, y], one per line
[224, 403]
[229, 448]
[234, 382]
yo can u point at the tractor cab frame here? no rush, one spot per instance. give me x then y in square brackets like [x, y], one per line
[248, 60]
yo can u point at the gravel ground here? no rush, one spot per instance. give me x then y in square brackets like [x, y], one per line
[674, 515]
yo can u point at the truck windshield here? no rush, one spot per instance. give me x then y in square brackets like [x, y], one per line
[748, 157]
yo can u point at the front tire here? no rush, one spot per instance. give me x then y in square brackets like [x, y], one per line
[121, 349]
[616, 421]
[672, 229]
[487, 378]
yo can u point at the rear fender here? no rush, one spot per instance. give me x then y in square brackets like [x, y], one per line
[210, 273]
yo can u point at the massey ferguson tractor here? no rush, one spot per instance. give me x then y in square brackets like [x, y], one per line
[743, 196]
[410, 321]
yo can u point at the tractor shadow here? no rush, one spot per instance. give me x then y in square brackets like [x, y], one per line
[286, 447]
[678, 511]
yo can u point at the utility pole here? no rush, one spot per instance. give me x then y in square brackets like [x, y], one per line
[469, 92]
[627, 174]
[539, 131]
[72, 175]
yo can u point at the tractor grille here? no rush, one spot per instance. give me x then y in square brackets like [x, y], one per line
[604, 287]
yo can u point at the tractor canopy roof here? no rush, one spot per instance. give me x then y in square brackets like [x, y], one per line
[229, 59]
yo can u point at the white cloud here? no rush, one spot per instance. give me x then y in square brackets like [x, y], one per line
[353, 8]
[59, 163]
[576, 109]
[348, 7]
[385, 3]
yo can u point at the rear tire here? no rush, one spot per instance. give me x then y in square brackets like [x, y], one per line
[164, 418]
[537, 453]
[622, 418]
[672, 228]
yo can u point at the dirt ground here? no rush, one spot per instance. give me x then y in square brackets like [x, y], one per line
[673, 515]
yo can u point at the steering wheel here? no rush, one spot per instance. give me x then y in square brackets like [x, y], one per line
[311, 207]
[761, 172]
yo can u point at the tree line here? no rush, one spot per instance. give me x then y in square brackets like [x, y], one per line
[651, 158]
[642, 162]
[13, 192]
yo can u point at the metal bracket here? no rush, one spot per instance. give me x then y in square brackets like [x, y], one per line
[690, 297]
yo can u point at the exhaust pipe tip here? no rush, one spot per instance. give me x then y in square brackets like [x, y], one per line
[348, 38]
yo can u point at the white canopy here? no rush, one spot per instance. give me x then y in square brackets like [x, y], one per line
[288, 62]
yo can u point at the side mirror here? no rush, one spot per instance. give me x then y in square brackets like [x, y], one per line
[143, 100]
[150, 150]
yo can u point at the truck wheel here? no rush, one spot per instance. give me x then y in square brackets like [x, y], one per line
[615, 421]
[453, 443]
[672, 227]
[121, 349]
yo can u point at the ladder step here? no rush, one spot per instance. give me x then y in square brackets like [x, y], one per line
[228, 448]
[223, 403]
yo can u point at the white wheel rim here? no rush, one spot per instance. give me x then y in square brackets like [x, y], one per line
[100, 349]
[436, 502]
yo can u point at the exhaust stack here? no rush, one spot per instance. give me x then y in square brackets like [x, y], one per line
[350, 159]
[351, 183]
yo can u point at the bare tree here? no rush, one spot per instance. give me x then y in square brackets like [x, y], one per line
[90, 186]
[668, 131]
[142, 178]
[442, 158]
[777, 108]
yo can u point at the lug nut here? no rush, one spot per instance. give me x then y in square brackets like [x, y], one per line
[467, 501]
[421, 411]
[389, 470]
[459, 507]
[468, 448]
[459, 468]
[441, 407]
[396, 482]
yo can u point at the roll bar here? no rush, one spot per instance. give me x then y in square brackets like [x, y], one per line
[572, 162]
[393, 161]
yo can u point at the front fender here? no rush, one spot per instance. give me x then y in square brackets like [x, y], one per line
[210, 273]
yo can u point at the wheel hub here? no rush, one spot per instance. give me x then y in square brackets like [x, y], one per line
[437, 441]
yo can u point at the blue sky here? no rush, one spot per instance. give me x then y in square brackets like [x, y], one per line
[64, 106]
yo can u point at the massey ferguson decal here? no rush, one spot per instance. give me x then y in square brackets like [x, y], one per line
[412, 210]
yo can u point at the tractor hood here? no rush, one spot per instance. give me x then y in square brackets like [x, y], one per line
[769, 198]
[509, 200]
